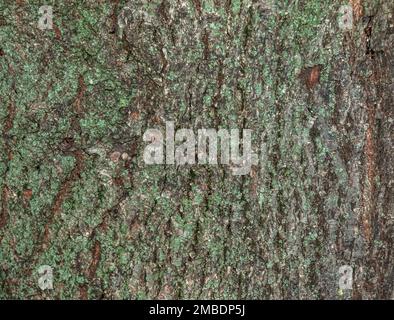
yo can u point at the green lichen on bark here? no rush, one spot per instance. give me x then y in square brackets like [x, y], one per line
[76, 195]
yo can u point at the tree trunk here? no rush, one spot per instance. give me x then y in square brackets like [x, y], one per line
[313, 81]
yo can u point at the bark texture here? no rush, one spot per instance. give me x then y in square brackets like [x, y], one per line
[75, 193]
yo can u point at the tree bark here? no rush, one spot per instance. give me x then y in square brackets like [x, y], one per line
[75, 192]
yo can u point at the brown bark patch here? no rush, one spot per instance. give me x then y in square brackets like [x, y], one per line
[96, 255]
[4, 211]
[58, 33]
[311, 76]
[62, 194]
[357, 8]
[27, 194]
[197, 5]
[81, 92]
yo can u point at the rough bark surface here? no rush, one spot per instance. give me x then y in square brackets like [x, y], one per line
[75, 193]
